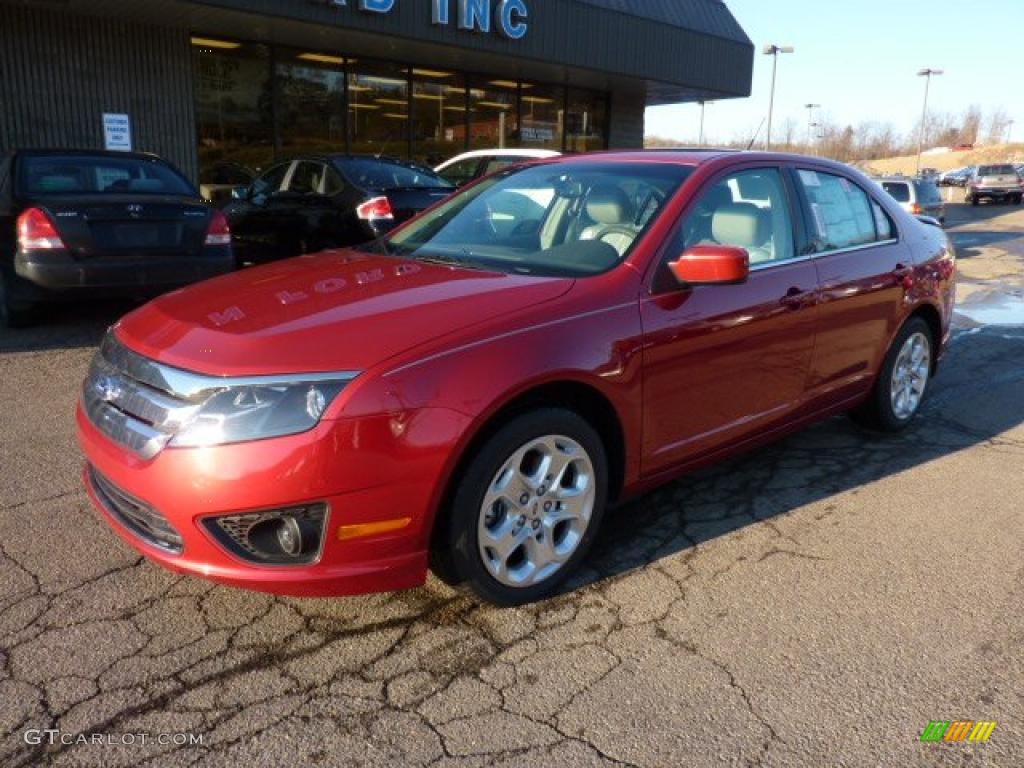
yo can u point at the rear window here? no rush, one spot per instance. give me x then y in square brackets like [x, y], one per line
[99, 175]
[899, 190]
[388, 174]
[996, 170]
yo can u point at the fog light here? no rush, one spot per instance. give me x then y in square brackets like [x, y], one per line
[289, 536]
[292, 536]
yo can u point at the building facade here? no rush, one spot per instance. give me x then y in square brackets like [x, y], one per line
[209, 84]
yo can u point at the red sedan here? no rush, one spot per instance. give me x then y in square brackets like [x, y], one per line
[474, 389]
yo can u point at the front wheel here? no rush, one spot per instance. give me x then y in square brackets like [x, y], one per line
[528, 506]
[903, 381]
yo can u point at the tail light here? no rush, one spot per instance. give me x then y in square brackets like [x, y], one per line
[375, 209]
[219, 232]
[916, 209]
[36, 232]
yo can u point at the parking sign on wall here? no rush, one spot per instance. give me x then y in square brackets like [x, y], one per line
[117, 132]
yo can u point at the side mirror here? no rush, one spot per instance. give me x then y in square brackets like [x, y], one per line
[711, 265]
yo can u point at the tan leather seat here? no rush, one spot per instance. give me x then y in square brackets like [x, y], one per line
[611, 209]
[746, 226]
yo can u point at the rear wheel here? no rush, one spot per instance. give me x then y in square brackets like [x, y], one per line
[903, 381]
[528, 506]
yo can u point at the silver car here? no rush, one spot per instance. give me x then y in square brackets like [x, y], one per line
[998, 183]
[919, 197]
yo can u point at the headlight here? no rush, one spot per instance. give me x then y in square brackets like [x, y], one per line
[258, 410]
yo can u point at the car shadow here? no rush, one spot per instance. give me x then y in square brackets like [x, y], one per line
[958, 214]
[834, 457]
[970, 243]
[65, 326]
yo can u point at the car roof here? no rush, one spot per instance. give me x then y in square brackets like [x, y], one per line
[506, 152]
[702, 156]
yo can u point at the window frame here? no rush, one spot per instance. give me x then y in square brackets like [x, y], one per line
[808, 215]
[659, 285]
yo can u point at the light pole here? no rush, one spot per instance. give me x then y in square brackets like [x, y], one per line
[773, 51]
[927, 75]
[810, 120]
[703, 104]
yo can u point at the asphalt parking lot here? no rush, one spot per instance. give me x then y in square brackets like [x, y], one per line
[815, 603]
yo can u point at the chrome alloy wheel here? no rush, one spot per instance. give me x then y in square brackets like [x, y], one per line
[536, 511]
[910, 376]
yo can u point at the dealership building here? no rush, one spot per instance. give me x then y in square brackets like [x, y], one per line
[213, 83]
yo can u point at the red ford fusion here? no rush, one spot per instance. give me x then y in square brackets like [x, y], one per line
[472, 391]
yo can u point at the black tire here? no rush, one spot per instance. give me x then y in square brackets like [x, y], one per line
[460, 535]
[972, 200]
[15, 310]
[877, 412]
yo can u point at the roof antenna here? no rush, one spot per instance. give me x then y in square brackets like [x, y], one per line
[756, 133]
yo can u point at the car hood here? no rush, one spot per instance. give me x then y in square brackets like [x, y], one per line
[334, 311]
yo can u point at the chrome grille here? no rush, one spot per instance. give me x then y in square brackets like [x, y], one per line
[137, 516]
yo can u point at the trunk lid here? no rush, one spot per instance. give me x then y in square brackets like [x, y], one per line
[406, 202]
[115, 225]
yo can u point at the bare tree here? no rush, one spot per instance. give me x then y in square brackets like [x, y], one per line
[998, 122]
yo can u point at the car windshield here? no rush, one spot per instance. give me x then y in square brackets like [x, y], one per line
[996, 170]
[566, 219]
[370, 173]
[100, 175]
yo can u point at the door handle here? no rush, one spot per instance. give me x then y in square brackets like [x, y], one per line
[796, 298]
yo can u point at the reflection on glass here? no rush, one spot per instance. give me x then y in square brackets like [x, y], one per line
[439, 115]
[543, 116]
[494, 116]
[586, 121]
[378, 109]
[233, 103]
[311, 112]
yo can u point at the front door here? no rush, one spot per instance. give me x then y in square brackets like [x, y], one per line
[724, 361]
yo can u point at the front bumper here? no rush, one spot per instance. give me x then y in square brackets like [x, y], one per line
[388, 480]
[60, 272]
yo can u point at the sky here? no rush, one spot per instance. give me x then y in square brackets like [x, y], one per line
[859, 59]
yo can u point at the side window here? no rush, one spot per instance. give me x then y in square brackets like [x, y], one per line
[461, 172]
[271, 181]
[498, 163]
[333, 183]
[307, 178]
[883, 224]
[842, 212]
[748, 209]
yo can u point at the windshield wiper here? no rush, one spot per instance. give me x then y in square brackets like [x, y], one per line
[448, 260]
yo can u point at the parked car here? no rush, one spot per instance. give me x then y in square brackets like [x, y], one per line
[958, 178]
[998, 183]
[314, 203]
[222, 182]
[464, 168]
[919, 197]
[473, 394]
[88, 223]
[946, 177]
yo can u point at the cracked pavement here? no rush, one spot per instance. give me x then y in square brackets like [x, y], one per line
[814, 603]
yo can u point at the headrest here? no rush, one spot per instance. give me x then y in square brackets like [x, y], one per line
[609, 205]
[741, 224]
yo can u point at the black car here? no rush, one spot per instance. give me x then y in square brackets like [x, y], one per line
[309, 204]
[76, 223]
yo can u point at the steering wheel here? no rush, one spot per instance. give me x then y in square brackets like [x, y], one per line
[617, 229]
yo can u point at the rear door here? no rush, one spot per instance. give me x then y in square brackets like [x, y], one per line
[723, 362]
[861, 264]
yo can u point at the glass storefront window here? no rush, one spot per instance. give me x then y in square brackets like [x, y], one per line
[311, 102]
[378, 109]
[586, 121]
[543, 116]
[494, 114]
[439, 115]
[234, 104]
